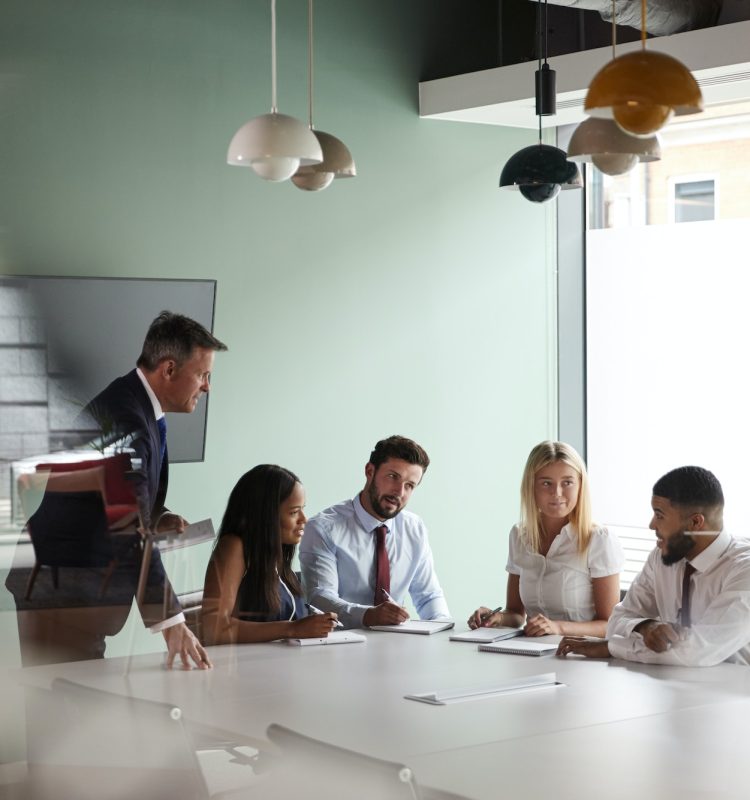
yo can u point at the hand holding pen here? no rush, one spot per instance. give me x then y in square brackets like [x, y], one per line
[388, 612]
[311, 608]
[482, 616]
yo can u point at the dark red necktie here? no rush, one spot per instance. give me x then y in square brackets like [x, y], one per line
[685, 610]
[382, 566]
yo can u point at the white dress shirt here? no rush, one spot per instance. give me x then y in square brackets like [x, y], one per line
[719, 607]
[558, 585]
[337, 556]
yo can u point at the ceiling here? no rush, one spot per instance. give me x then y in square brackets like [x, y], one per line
[482, 34]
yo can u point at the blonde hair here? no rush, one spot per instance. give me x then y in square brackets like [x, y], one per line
[541, 456]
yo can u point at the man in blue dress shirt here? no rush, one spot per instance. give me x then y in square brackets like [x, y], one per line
[361, 557]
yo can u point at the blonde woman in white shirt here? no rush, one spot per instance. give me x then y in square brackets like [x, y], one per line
[563, 571]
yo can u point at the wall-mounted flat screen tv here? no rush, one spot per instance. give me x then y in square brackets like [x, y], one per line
[81, 333]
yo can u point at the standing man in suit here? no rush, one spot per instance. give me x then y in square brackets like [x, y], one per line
[172, 372]
[360, 557]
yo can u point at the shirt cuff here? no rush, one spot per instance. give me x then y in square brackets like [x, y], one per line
[167, 623]
[624, 647]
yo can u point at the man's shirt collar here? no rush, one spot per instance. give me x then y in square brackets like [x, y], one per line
[158, 413]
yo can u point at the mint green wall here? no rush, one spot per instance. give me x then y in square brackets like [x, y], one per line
[416, 298]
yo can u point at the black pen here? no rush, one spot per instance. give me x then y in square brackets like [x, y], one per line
[314, 610]
[491, 613]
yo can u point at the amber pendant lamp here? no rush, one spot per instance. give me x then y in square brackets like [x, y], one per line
[642, 90]
[605, 144]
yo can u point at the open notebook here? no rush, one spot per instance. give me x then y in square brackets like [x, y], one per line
[523, 646]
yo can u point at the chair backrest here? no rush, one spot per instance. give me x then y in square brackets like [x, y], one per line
[309, 767]
[118, 489]
[70, 529]
[89, 744]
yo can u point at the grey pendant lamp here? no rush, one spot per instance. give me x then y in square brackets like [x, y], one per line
[274, 144]
[541, 171]
[604, 143]
[337, 160]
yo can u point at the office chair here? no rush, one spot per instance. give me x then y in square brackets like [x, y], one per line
[309, 767]
[91, 744]
[79, 504]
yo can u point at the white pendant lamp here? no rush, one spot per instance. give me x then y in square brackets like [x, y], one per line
[337, 160]
[603, 143]
[611, 150]
[274, 144]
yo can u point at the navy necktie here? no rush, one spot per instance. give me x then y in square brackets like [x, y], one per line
[382, 566]
[162, 425]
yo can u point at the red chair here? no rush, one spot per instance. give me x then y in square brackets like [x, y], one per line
[82, 503]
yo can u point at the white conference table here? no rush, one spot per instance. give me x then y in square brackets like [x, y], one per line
[612, 727]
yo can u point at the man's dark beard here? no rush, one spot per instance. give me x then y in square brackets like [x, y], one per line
[380, 512]
[677, 548]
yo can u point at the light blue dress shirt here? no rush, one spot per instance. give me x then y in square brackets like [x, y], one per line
[337, 555]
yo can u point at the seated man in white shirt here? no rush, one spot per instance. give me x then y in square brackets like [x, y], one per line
[360, 557]
[690, 604]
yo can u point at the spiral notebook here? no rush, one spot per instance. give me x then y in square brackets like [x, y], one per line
[533, 646]
[484, 635]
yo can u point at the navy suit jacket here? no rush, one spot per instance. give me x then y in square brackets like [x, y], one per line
[124, 409]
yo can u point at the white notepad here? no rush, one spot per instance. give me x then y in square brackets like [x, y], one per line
[486, 635]
[417, 626]
[334, 637]
[533, 646]
[446, 696]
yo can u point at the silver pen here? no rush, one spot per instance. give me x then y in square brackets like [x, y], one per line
[388, 596]
[311, 608]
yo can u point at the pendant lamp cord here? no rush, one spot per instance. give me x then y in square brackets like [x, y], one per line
[546, 32]
[539, 58]
[614, 29]
[310, 60]
[643, 24]
[273, 57]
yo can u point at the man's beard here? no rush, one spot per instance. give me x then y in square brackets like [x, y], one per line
[677, 547]
[380, 512]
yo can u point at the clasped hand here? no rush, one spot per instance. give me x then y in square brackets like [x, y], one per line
[658, 636]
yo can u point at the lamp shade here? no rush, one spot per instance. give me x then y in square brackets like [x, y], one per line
[641, 90]
[337, 163]
[274, 145]
[539, 172]
[614, 152]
